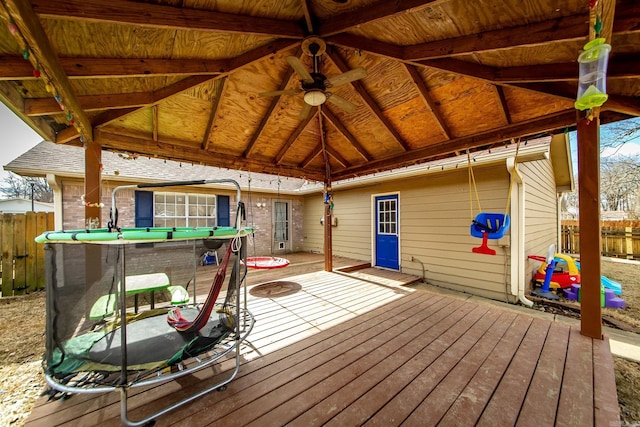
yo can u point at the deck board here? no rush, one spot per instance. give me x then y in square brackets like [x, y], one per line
[346, 351]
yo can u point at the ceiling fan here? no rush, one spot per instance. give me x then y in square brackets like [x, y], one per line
[314, 84]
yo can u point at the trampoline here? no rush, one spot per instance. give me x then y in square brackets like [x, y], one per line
[98, 340]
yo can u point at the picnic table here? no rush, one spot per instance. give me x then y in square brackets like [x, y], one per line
[136, 285]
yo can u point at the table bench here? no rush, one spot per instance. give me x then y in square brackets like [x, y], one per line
[135, 285]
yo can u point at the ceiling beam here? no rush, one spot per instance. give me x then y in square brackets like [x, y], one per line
[49, 106]
[333, 153]
[370, 102]
[619, 67]
[16, 68]
[626, 19]
[423, 91]
[13, 99]
[267, 115]
[550, 122]
[565, 28]
[370, 13]
[308, 17]
[292, 138]
[504, 107]
[155, 122]
[337, 124]
[242, 60]
[314, 153]
[167, 17]
[194, 154]
[154, 97]
[215, 103]
[45, 59]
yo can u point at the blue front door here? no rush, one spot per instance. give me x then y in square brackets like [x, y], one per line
[387, 249]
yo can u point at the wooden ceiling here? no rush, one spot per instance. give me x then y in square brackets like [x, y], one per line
[181, 79]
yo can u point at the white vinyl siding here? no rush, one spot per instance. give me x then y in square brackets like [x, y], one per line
[541, 209]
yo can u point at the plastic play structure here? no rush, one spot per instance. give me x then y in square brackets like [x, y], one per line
[96, 341]
[487, 225]
[560, 272]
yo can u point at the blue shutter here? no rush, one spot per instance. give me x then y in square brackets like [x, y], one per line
[223, 213]
[144, 208]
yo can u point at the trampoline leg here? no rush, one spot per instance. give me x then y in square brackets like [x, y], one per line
[484, 247]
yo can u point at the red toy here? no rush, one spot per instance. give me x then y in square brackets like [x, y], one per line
[565, 273]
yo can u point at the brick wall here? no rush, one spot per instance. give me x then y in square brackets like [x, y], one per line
[258, 217]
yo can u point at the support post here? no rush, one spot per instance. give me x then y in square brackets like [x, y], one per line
[92, 190]
[328, 246]
[590, 239]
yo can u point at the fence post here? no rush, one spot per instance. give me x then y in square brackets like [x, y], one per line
[628, 240]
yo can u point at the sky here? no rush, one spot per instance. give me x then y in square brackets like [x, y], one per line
[16, 138]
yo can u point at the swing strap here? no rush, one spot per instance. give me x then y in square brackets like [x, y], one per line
[473, 186]
[175, 318]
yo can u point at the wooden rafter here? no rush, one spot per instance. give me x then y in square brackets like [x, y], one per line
[16, 68]
[38, 124]
[564, 28]
[155, 123]
[504, 106]
[245, 59]
[292, 138]
[267, 115]
[215, 103]
[549, 122]
[337, 156]
[370, 13]
[370, 102]
[155, 97]
[189, 153]
[159, 16]
[48, 106]
[43, 55]
[314, 153]
[619, 67]
[308, 17]
[348, 135]
[420, 85]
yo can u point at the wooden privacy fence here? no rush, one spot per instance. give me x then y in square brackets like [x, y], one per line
[22, 258]
[620, 239]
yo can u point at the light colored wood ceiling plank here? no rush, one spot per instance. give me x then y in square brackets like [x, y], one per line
[373, 12]
[549, 122]
[215, 103]
[564, 28]
[415, 76]
[292, 138]
[348, 135]
[274, 103]
[370, 102]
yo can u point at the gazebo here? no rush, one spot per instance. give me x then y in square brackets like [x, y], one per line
[320, 89]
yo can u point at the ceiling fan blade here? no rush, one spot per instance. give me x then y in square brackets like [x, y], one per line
[304, 113]
[280, 92]
[341, 103]
[299, 68]
[347, 77]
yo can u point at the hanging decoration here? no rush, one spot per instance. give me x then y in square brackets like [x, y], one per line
[39, 72]
[592, 84]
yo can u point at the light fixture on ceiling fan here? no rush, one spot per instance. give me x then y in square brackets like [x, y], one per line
[314, 84]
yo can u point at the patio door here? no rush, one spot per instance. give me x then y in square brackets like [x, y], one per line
[387, 249]
[281, 225]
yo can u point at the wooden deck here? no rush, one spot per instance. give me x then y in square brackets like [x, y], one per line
[342, 350]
